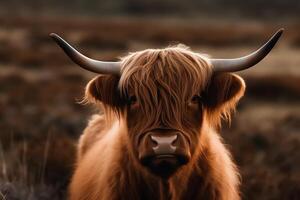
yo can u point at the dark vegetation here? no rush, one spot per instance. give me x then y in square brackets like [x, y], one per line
[267, 9]
[40, 119]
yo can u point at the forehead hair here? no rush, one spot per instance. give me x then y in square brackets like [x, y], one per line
[164, 77]
[173, 69]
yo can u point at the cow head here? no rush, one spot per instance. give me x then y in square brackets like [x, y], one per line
[165, 96]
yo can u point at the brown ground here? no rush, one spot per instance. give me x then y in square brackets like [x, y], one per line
[39, 88]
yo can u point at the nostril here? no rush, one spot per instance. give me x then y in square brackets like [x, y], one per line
[154, 139]
[174, 141]
[154, 143]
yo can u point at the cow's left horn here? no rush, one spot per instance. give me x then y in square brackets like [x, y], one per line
[238, 64]
[89, 64]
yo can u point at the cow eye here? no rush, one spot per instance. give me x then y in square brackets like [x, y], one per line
[195, 99]
[132, 101]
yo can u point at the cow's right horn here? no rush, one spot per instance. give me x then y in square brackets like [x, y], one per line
[238, 64]
[89, 64]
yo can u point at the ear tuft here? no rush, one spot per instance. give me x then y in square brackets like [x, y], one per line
[222, 95]
[104, 89]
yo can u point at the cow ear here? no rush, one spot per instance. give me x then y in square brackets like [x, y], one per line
[103, 88]
[222, 94]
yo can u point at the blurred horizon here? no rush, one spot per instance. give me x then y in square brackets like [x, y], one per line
[228, 9]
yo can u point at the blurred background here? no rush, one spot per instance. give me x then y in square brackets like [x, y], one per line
[40, 119]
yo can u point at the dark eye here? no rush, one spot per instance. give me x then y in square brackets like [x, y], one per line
[195, 99]
[132, 101]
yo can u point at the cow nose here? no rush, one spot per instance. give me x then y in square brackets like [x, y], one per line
[164, 152]
[164, 144]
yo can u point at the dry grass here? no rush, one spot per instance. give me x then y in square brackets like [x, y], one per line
[21, 178]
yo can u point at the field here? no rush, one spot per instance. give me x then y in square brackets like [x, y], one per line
[41, 119]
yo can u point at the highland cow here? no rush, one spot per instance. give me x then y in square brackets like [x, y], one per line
[157, 137]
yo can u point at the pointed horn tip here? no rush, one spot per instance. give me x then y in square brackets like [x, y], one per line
[276, 37]
[280, 31]
[54, 36]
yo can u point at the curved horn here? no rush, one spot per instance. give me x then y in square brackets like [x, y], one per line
[85, 62]
[238, 64]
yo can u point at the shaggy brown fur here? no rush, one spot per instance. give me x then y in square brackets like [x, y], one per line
[163, 82]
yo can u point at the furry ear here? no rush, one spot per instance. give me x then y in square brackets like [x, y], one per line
[221, 96]
[104, 88]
